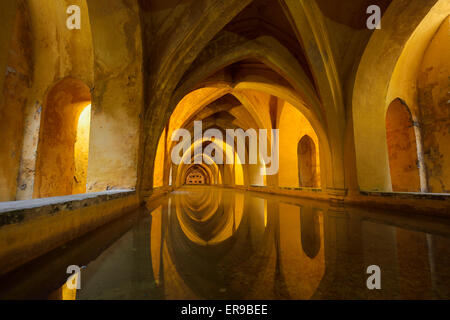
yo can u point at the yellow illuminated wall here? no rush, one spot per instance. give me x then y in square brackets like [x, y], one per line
[56, 154]
[158, 175]
[293, 126]
[82, 151]
[402, 148]
[434, 104]
[238, 170]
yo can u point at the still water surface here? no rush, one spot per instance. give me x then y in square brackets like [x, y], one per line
[212, 243]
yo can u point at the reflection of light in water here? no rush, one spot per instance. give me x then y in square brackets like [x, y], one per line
[292, 250]
[265, 213]
[238, 210]
[81, 150]
[155, 242]
[277, 251]
[64, 292]
[253, 246]
[180, 192]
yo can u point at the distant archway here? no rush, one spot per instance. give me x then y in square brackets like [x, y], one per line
[63, 140]
[402, 148]
[196, 175]
[307, 167]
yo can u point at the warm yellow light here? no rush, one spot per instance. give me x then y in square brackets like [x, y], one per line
[158, 172]
[84, 120]
[82, 150]
[238, 170]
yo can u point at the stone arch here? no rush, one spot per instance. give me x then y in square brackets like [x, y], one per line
[56, 162]
[284, 93]
[370, 98]
[295, 87]
[185, 113]
[290, 96]
[215, 173]
[402, 148]
[261, 49]
[307, 168]
[264, 49]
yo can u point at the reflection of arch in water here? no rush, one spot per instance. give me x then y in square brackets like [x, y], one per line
[156, 240]
[310, 231]
[199, 205]
[185, 257]
[213, 220]
[301, 248]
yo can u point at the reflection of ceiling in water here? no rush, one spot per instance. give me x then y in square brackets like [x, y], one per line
[202, 239]
[208, 216]
[282, 248]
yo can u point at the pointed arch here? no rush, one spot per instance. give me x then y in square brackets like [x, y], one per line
[307, 166]
[402, 148]
[369, 100]
[56, 155]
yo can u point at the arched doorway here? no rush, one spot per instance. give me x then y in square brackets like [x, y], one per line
[64, 140]
[402, 148]
[307, 167]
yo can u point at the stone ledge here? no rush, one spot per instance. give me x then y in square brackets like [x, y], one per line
[408, 195]
[34, 227]
[19, 211]
[429, 204]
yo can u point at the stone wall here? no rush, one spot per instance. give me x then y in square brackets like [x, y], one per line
[31, 228]
[434, 103]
